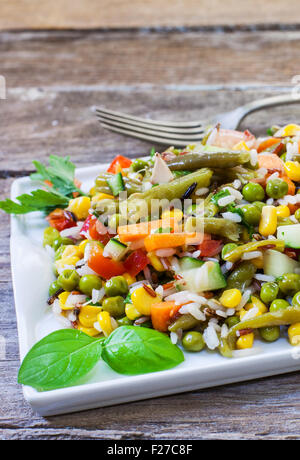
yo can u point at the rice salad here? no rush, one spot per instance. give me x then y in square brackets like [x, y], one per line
[201, 244]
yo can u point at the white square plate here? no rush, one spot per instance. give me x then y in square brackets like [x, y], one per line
[32, 274]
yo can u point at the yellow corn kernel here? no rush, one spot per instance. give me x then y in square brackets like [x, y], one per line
[242, 313]
[155, 262]
[292, 169]
[101, 196]
[70, 251]
[67, 262]
[130, 279]
[283, 211]
[231, 298]
[294, 334]
[92, 191]
[131, 312]
[241, 146]
[81, 246]
[88, 315]
[80, 207]
[245, 341]
[268, 221]
[258, 262]
[91, 331]
[104, 321]
[63, 297]
[176, 214]
[288, 130]
[256, 302]
[142, 300]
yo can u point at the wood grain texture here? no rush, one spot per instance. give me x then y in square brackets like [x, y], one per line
[37, 14]
[49, 109]
[133, 59]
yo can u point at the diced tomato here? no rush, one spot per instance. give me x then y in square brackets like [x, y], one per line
[61, 219]
[136, 262]
[98, 231]
[104, 266]
[210, 248]
[118, 164]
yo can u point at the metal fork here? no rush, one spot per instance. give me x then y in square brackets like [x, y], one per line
[180, 134]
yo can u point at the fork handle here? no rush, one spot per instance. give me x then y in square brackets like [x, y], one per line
[269, 102]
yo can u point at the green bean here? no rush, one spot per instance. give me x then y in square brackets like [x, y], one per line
[224, 348]
[281, 317]
[184, 322]
[289, 283]
[138, 204]
[214, 226]
[236, 253]
[193, 161]
[242, 276]
[54, 287]
[131, 185]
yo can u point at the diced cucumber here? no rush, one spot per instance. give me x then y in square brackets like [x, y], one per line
[115, 249]
[186, 263]
[116, 184]
[290, 234]
[277, 264]
[208, 277]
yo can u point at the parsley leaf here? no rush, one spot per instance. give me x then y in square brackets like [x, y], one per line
[38, 200]
[60, 173]
[221, 194]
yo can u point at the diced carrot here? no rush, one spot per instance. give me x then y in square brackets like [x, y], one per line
[133, 232]
[271, 162]
[166, 240]
[162, 313]
[292, 187]
[264, 145]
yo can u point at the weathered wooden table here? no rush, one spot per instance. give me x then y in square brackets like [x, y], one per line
[54, 81]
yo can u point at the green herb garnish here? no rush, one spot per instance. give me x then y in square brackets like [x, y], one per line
[65, 356]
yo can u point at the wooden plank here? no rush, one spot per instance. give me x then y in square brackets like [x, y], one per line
[22, 14]
[64, 123]
[106, 60]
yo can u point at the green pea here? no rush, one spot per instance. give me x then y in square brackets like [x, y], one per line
[115, 306]
[276, 188]
[138, 164]
[251, 214]
[279, 304]
[89, 282]
[297, 214]
[227, 248]
[116, 220]
[270, 334]
[54, 287]
[296, 299]
[232, 321]
[193, 341]
[259, 204]
[269, 292]
[117, 285]
[253, 192]
[56, 244]
[69, 280]
[50, 235]
[289, 283]
[124, 321]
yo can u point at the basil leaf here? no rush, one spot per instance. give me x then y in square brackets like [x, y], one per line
[135, 350]
[59, 360]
